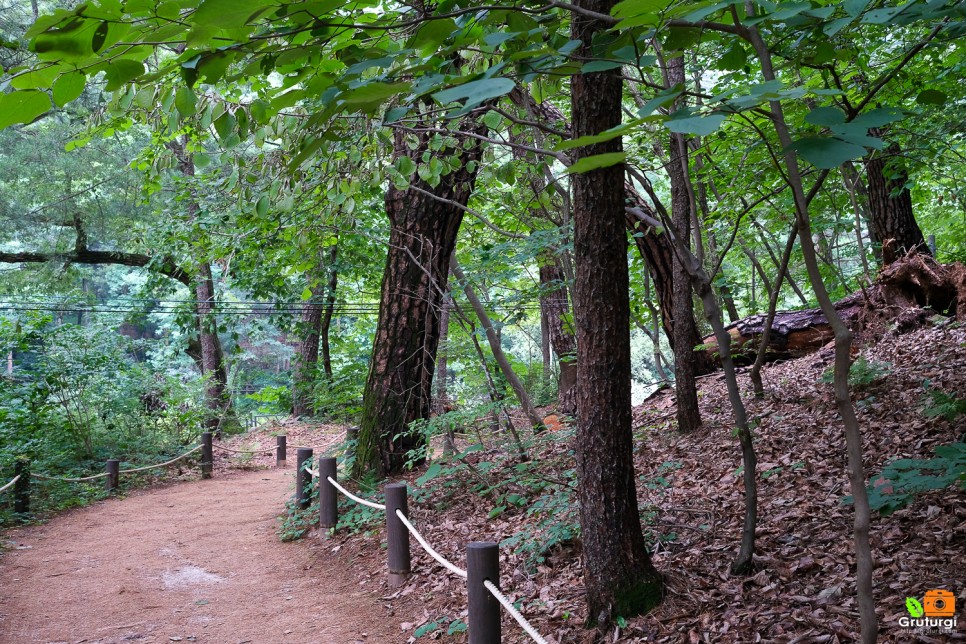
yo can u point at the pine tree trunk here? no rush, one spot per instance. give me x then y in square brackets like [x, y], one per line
[306, 359]
[685, 338]
[893, 223]
[619, 578]
[424, 225]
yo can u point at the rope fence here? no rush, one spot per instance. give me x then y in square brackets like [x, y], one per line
[10, 484]
[244, 451]
[64, 479]
[482, 574]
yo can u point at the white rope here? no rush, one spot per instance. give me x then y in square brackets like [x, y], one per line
[15, 479]
[244, 451]
[57, 478]
[428, 548]
[151, 467]
[377, 506]
[510, 608]
[314, 473]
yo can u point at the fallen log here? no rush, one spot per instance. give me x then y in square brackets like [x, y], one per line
[905, 296]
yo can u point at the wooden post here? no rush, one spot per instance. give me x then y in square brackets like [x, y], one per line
[207, 458]
[483, 563]
[280, 451]
[113, 468]
[303, 480]
[21, 489]
[397, 536]
[328, 501]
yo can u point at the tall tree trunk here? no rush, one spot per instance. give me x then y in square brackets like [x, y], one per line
[213, 368]
[424, 224]
[306, 359]
[685, 385]
[326, 325]
[893, 223]
[619, 578]
[556, 310]
[314, 327]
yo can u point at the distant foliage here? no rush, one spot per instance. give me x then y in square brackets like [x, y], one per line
[863, 373]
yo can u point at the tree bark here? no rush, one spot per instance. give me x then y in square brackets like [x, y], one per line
[619, 578]
[685, 335]
[313, 327]
[556, 310]
[893, 222]
[423, 227]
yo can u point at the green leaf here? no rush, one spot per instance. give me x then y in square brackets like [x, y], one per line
[226, 14]
[374, 92]
[261, 206]
[120, 71]
[306, 294]
[405, 165]
[600, 66]
[734, 59]
[432, 472]
[68, 87]
[185, 101]
[825, 116]
[493, 120]
[914, 607]
[931, 97]
[39, 78]
[591, 139]
[697, 125]
[22, 107]
[475, 92]
[877, 118]
[597, 161]
[827, 152]
[225, 125]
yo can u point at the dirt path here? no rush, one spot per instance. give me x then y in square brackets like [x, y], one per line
[194, 562]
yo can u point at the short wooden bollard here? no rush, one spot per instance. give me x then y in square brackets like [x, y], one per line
[303, 479]
[21, 489]
[207, 458]
[113, 469]
[280, 450]
[328, 501]
[483, 563]
[397, 536]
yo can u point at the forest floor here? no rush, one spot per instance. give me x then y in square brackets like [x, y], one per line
[140, 565]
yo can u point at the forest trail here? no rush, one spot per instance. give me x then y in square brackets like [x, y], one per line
[193, 562]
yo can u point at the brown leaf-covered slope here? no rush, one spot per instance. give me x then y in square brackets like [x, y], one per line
[690, 494]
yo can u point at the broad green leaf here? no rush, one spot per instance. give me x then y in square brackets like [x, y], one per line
[493, 120]
[226, 14]
[827, 152]
[39, 78]
[68, 87]
[306, 294]
[697, 125]
[475, 92]
[261, 206]
[734, 59]
[405, 165]
[225, 125]
[597, 161]
[145, 98]
[22, 107]
[373, 92]
[825, 116]
[855, 7]
[877, 118]
[185, 101]
[600, 66]
[432, 472]
[931, 97]
[121, 71]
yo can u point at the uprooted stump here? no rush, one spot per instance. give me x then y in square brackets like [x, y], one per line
[906, 295]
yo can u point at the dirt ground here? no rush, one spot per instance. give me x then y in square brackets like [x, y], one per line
[192, 562]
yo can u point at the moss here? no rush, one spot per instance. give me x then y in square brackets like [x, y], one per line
[638, 598]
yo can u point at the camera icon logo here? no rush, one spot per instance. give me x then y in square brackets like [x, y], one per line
[939, 603]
